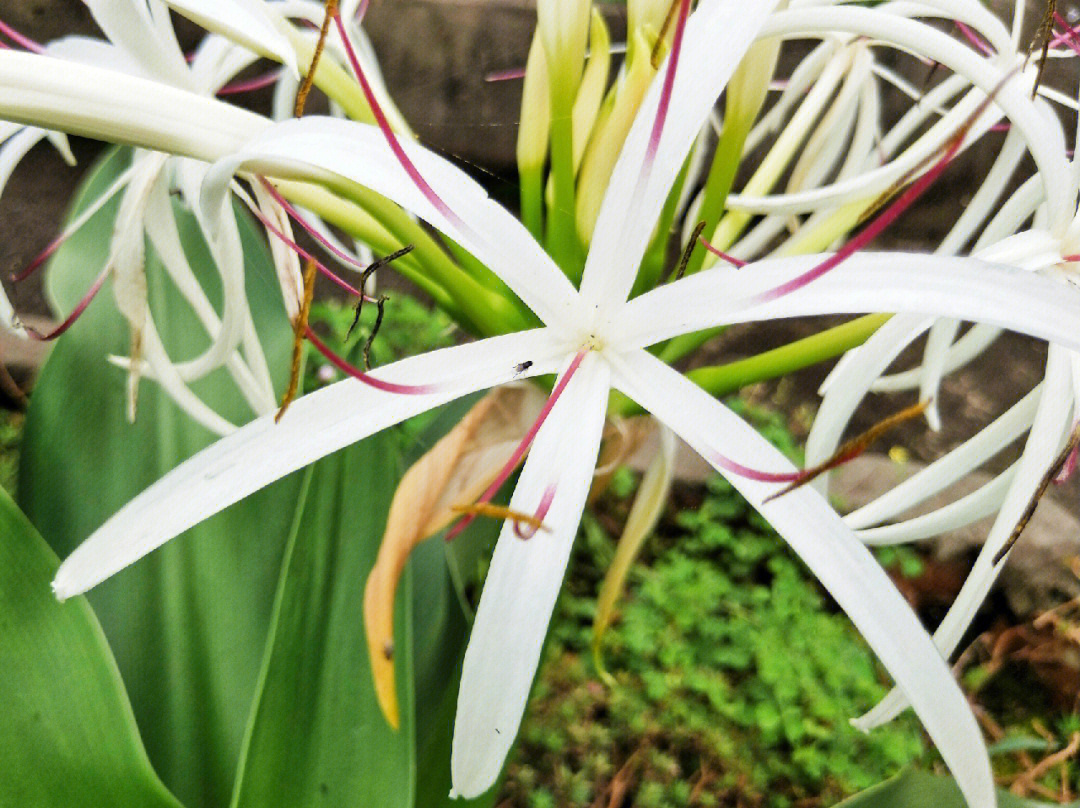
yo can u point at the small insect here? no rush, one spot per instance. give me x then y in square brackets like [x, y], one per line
[522, 367]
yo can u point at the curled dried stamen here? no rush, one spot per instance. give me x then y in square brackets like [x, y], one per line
[851, 449]
[299, 327]
[1041, 41]
[499, 512]
[1044, 483]
[368, 270]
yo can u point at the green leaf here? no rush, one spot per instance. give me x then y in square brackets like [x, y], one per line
[67, 733]
[187, 623]
[317, 735]
[917, 789]
[317, 674]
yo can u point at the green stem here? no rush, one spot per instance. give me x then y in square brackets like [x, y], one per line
[532, 200]
[721, 380]
[562, 241]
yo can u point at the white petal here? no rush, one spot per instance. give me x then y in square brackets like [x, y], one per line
[321, 148]
[130, 26]
[964, 288]
[980, 503]
[246, 22]
[851, 384]
[1045, 439]
[974, 341]
[314, 426]
[832, 552]
[938, 341]
[716, 36]
[523, 582]
[951, 467]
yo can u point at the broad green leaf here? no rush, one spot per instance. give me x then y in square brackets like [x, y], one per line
[917, 789]
[317, 673]
[67, 734]
[188, 623]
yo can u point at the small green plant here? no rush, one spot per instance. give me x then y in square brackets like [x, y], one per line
[735, 676]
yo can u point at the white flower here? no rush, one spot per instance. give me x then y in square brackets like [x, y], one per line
[594, 338]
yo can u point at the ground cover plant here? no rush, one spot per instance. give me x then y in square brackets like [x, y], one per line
[281, 578]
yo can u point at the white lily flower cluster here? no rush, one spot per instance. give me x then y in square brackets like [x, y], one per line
[596, 336]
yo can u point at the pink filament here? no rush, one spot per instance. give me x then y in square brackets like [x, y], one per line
[505, 75]
[41, 258]
[350, 370]
[973, 38]
[1068, 35]
[80, 307]
[248, 85]
[391, 138]
[872, 231]
[754, 474]
[529, 531]
[323, 269]
[731, 259]
[20, 39]
[669, 83]
[294, 214]
[523, 445]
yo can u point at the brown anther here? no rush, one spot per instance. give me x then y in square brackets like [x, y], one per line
[851, 449]
[499, 512]
[379, 301]
[299, 327]
[1044, 483]
[684, 261]
[331, 11]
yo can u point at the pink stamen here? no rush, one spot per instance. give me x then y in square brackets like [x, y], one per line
[41, 258]
[294, 214]
[95, 287]
[361, 10]
[973, 38]
[350, 370]
[391, 138]
[731, 259]
[21, 39]
[523, 446]
[755, 474]
[1070, 258]
[248, 85]
[529, 531]
[872, 231]
[1068, 35]
[1000, 127]
[506, 75]
[323, 269]
[669, 83]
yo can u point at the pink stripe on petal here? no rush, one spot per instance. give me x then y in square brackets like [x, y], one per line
[669, 83]
[523, 445]
[529, 531]
[350, 370]
[391, 138]
[80, 307]
[21, 39]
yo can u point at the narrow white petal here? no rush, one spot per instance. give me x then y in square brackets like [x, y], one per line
[322, 148]
[964, 288]
[314, 426]
[523, 582]
[938, 341]
[951, 467]
[974, 341]
[130, 26]
[716, 36]
[247, 22]
[1047, 434]
[15, 148]
[851, 384]
[843, 565]
[980, 503]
